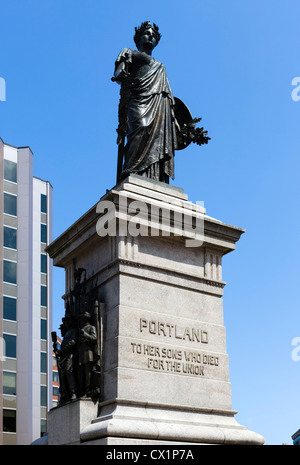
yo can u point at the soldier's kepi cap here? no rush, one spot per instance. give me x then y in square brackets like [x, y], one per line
[84, 315]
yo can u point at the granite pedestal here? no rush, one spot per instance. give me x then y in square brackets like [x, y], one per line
[156, 259]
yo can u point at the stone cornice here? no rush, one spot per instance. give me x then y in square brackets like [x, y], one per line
[217, 234]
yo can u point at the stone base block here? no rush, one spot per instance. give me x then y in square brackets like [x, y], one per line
[131, 424]
[65, 423]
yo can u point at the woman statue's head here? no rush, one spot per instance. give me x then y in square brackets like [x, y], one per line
[146, 34]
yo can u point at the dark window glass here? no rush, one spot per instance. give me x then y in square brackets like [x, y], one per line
[44, 296]
[56, 391]
[43, 427]
[43, 329]
[10, 171]
[43, 233]
[9, 308]
[10, 204]
[43, 263]
[9, 272]
[9, 237]
[43, 362]
[9, 383]
[9, 421]
[55, 377]
[9, 345]
[43, 203]
[43, 396]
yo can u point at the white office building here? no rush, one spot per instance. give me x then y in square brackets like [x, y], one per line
[25, 298]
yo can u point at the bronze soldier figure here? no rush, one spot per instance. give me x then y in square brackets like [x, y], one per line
[87, 341]
[66, 359]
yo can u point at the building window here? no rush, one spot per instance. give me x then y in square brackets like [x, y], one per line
[43, 362]
[9, 308]
[43, 427]
[43, 296]
[43, 263]
[55, 377]
[9, 383]
[9, 237]
[9, 421]
[43, 203]
[9, 272]
[43, 329]
[10, 204]
[9, 345]
[44, 233]
[10, 171]
[43, 396]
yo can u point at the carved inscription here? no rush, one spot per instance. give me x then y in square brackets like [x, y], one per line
[174, 360]
[170, 330]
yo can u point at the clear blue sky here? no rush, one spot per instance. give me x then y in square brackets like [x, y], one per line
[232, 62]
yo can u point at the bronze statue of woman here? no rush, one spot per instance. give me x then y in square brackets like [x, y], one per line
[146, 110]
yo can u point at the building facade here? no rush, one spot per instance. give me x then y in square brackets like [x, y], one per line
[25, 298]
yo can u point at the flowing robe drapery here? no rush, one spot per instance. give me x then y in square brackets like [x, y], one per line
[150, 122]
